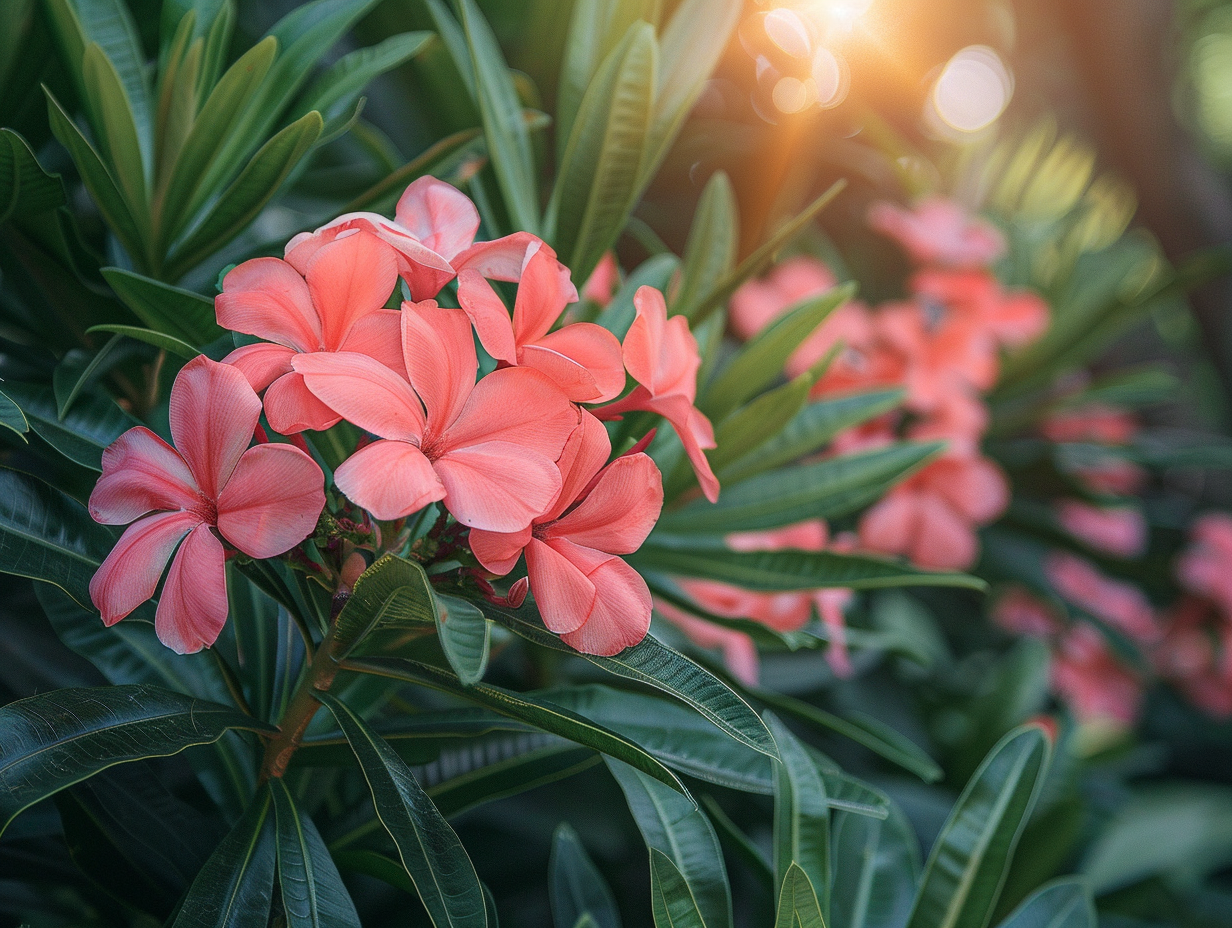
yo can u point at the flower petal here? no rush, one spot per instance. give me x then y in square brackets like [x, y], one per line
[583, 456]
[440, 360]
[620, 616]
[213, 414]
[364, 391]
[141, 473]
[268, 298]
[498, 485]
[504, 259]
[488, 314]
[193, 606]
[349, 278]
[390, 479]
[272, 501]
[291, 407]
[541, 299]
[498, 551]
[620, 511]
[563, 592]
[944, 539]
[889, 526]
[661, 353]
[261, 364]
[583, 359]
[129, 575]
[378, 335]
[439, 215]
[516, 405]
[695, 433]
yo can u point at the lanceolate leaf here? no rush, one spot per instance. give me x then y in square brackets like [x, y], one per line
[11, 416]
[385, 191]
[464, 634]
[168, 343]
[236, 886]
[25, 188]
[94, 422]
[312, 892]
[654, 664]
[671, 824]
[180, 313]
[391, 595]
[876, 867]
[671, 902]
[56, 739]
[430, 851]
[801, 814]
[576, 887]
[347, 78]
[798, 906]
[116, 130]
[1060, 904]
[971, 856]
[710, 250]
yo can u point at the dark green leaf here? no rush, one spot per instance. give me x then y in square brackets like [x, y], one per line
[116, 130]
[576, 887]
[431, 160]
[56, 739]
[70, 378]
[345, 80]
[180, 313]
[168, 343]
[392, 595]
[876, 866]
[710, 251]
[25, 188]
[798, 906]
[312, 892]
[801, 814]
[94, 422]
[430, 851]
[464, 635]
[11, 416]
[671, 902]
[751, 426]
[1061, 904]
[530, 761]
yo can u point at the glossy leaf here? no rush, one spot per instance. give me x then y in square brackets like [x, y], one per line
[168, 343]
[53, 740]
[312, 892]
[748, 428]
[1061, 904]
[25, 188]
[710, 252]
[876, 865]
[531, 761]
[11, 416]
[672, 825]
[116, 130]
[575, 885]
[971, 856]
[236, 886]
[176, 312]
[465, 636]
[94, 422]
[390, 596]
[430, 851]
[798, 906]
[344, 80]
[671, 903]
[801, 814]
[74, 373]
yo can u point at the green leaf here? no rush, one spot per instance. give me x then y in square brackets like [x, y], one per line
[430, 852]
[343, 81]
[70, 378]
[94, 422]
[654, 664]
[876, 866]
[25, 188]
[236, 886]
[525, 707]
[812, 427]
[751, 426]
[98, 180]
[598, 183]
[673, 825]
[392, 595]
[312, 892]
[511, 766]
[798, 906]
[465, 635]
[710, 252]
[671, 902]
[765, 255]
[168, 343]
[116, 130]
[971, 856]
[171, 310]
[801, 814]
[787, 569]
[53, 740]
[503, 126]
[822, 490]
[654, 272]
[1061, 904]
[46, 535]
[248, 194]
[576, 887]
[760, 362]
[11, 416]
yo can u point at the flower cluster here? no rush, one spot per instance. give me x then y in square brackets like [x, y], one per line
[518, 456]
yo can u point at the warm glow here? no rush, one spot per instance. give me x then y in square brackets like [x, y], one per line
[830, 77]
[973, 90]
[791, 94]
[788, 32]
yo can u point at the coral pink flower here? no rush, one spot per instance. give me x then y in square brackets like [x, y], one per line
[337, 306]
[942, 351]
[1091, 680]
[1119, 604]
[582, 359]
[739, 652]
[263, 500]
[1195, 654]
[601, 286]
[758, 303]
[960, 420]
[863, 361]
[1094, 422]
[1111, 477]
[1205, 567]
[662, 356]
[487, 450]
[1120, 531]
[586, 593]
[939, 231]
[1013, 319]
[1020, 613]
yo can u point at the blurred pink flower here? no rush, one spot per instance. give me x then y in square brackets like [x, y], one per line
[263, 500]
[758, 303]
[1096, 423]
[1011, 318]
[1091, 680]
[1195, 653]
[1205, 567]
[1120, 531]
[739, 652]
[601, 286]
[1020, 613]
[939, 231]
[1120, 604]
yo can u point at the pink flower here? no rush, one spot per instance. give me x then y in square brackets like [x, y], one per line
[1093, 422]
[739, 652]
[943, 352]
[1196, 654]
[1091, 680]
[603, 280]
[939, 231]
[588, 595]
[959, 419]
[336, 306]
[1020, 613]
[662, 356]
[582, 359]
[1013, 319]
[1120, 531]
[1121, 605]
[758, 303]
[263, 500]
[1205, 567]
[487, 450]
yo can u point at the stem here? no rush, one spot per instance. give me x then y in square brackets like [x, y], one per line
[318, 677]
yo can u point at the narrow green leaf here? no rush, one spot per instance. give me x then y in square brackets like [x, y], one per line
[760, 362]
[392, 595]
[876, 867]
[117, 131]
[801, 814]
[812, 427]
[971, 856]
[12, 418]
[739, 844]
[519, 768]
[575, 885]
[429, 161]
[171, 310]
[53, 740]
[710, 251]
[430, 852]
[168, 343]
[25, 188]
[465, 635]
[671, 902]
[69, 380]
[822, 490]
[312, 892]
[236, 886]
[798, 906]
[94, 422]
[752, 425]
[673, 825]
[343, 81]
[1061, 904]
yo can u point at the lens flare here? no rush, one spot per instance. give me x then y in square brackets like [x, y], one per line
[973, 90]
